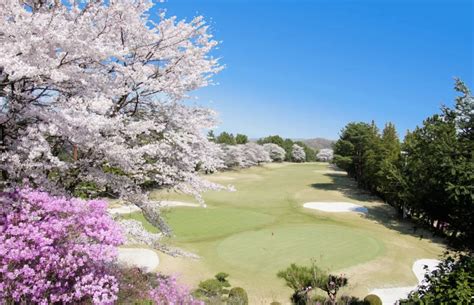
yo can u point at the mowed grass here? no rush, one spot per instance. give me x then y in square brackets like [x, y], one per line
[191, 224]
[262, 228]
[274, 249]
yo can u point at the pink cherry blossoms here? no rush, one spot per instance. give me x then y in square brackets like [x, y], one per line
[169, 292]
[54, 249]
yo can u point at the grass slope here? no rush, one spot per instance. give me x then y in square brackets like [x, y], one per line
[261, 228]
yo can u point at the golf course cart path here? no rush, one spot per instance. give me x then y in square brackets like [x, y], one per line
[390, 296]
[139, 257]
[336, 207]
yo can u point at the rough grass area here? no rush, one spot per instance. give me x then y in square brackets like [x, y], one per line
[262, 227]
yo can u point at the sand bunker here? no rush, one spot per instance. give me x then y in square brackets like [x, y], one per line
[221, 178]
[126, 209]
[419, 267]
[390, 296]
[139, 257]
[168, 203]
[336, 207]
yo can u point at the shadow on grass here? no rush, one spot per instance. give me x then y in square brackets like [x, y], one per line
[387, 216]
[383, 214]
[345, 185]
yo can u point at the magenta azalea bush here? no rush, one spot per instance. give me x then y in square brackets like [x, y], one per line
[169, 292]
[56, 250]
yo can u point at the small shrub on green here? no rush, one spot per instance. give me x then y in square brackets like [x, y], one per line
[237, 296]
[373, 299]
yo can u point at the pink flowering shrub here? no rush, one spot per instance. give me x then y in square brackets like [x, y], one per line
[56, 250]
[169, 292]
[139, 287]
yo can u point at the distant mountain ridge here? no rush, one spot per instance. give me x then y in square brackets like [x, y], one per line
[317, 143]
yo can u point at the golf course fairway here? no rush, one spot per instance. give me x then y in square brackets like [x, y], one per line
[262, 227]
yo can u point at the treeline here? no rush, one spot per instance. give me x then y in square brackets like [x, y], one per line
[288, 145]
[429, 176]
[227, 138]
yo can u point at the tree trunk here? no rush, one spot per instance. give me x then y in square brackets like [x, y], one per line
[74, 152]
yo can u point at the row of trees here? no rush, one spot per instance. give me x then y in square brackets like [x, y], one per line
[237, 151]
[429, 176]
[227, 138]
[289, 146]
[291, 149]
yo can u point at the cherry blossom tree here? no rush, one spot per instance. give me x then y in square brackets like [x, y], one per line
[297, 153]
[245, 155]
[325, 155]
[90, 97]
[233, 155]
[254, 154]
[277, 153]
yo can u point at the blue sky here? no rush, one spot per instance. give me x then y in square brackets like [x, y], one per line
[304, 69]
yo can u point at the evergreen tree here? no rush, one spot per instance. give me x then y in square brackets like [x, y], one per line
[210, 136]
[226, 138]
[241, 139]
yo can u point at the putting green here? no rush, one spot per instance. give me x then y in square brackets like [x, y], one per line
[332, 247]
[234, 233]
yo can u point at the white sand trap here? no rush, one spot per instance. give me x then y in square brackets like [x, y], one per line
[390, 296]
[139, 257]
[221, 178]
[126, 209]
[168, 203]
[336, 207]
[419, 267]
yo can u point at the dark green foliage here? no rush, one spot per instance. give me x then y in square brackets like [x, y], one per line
[241, 139]
[275, 303]
[285, 144]
[332, 285]
[304, 279]
[348, 300]
[373, 299]
[237, 296]
[452, 283]
[210, 136]
[226, 138]
[310, 153]
[297, 277]
[222, 277]
[357, 151]
[272, 139]
[209, 289]
[429, 177]
[216, 291]
[318, 299]
[86, 189]
[439, 170]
